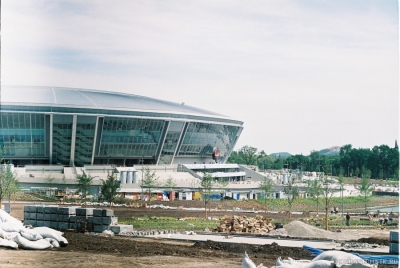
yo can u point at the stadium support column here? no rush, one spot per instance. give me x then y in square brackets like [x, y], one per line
[49, 136]
[97, 137]
[73, 139]
[181, 137]
[94, 141]
[162, 141]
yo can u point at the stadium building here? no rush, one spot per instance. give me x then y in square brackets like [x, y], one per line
[78, 127]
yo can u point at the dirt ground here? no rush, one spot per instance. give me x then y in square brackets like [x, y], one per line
[85, 250]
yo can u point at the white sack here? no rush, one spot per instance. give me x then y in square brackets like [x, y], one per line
[5, 217]
[248, 263]
[8, 244]
[291, 263]
[284, 263]
[344, 259]
[5, 235]
[30, 234]
[63, 241]
[26, 244]
[53, 242]
[11, 226]
[47, 232]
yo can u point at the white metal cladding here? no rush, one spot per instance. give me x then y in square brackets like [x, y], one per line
[94, 99]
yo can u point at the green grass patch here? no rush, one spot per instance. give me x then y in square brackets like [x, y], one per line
[169, 223]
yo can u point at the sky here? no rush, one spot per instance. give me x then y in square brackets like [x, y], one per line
[302, 75]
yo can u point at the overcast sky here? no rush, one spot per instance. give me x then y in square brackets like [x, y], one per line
[302, 75]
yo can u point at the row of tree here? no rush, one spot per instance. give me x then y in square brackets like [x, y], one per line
[382, 161]
[318, 189]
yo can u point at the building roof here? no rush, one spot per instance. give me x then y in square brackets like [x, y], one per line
[96, 99]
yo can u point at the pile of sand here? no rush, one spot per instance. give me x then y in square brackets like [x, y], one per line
[301, 229]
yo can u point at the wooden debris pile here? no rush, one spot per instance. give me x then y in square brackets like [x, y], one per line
[243, 224]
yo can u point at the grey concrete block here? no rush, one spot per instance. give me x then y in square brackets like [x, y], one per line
[107, 212]
[393, 248]
[89, 219]
[40, 209]
[46, 217]
[64, 218]
[98, 220]
[114, 220]
[54, 217]
[67, 210]
[40, 223]
[121, 228]
[84, 212]
[100, 228]
[46, 223]
[97, 212]
[26, 215]
[54, 224]
[72, 219]
[81, 218]
[47, 210]
[40, 216]
[106, 220]
[73, 225]
[54, 210]
[63, 225]
[394, 236]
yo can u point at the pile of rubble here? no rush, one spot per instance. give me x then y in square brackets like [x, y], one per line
[243, 224]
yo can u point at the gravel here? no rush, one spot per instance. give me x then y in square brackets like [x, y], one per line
[301, 229]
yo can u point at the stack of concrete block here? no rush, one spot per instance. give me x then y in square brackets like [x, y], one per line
[51, 216]
[103, 219]
[62, 218]
[394, 242]
[30, 216]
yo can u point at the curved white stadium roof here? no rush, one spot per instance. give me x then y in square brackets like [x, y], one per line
[95, 99]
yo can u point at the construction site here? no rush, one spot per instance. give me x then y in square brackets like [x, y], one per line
[238, 232]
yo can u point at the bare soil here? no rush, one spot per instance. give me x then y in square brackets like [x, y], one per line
[85, 250]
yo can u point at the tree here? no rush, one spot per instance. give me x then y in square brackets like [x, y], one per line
[8, 182]
[365, 187]
[49, 179]
[265, 186]
[170, 184]
[83, 184]
[64, 184]
[223, 184]
[327, 194]
[248, 154]
[341, 183]
[291, 191]
[315, 190]
[150, 181]
[206, 186]
[109, 188]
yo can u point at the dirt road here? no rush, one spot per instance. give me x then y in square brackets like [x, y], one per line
[85, 250]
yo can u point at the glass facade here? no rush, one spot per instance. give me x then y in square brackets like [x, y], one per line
[22, 134]
[130, 137]
[201, 138]
[26, 139]
[62, 134]
[84, 139]
[171, 142]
